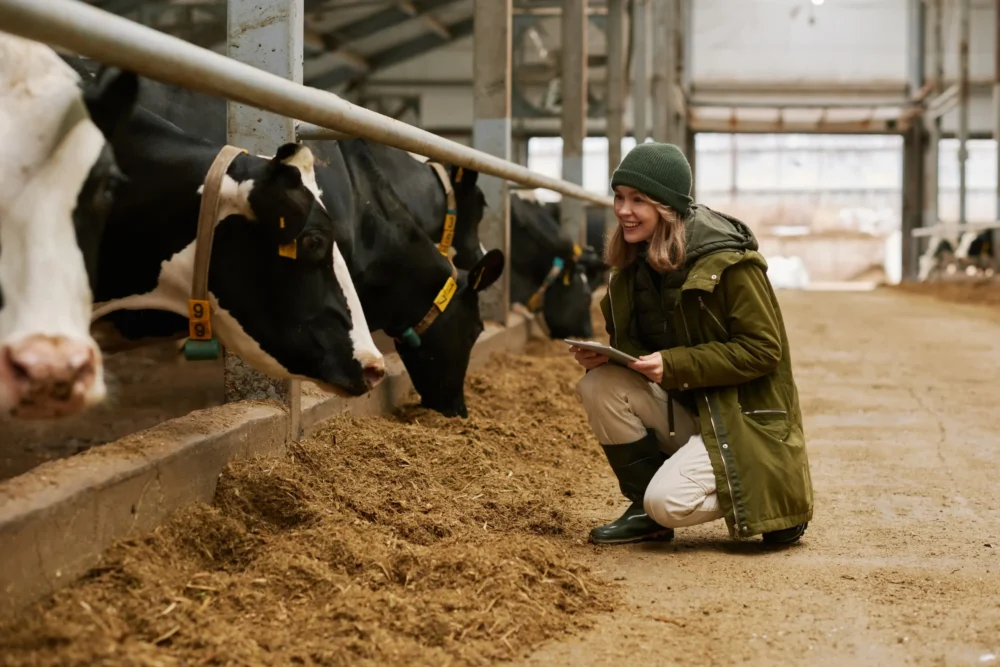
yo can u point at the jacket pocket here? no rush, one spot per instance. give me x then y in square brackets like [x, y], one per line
[773, 421]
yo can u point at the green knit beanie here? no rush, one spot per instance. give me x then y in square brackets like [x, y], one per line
[659, 171]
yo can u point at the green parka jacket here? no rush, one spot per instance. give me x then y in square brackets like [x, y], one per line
[734, 361]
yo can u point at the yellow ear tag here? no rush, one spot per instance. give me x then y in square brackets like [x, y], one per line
[445, 295]
[459, 174]
[281, 221]
[479, 279]
[566, 279]
[289, 250]
[577, 251]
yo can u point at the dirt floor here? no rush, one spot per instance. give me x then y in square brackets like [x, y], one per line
[421, 540]
[146, 386]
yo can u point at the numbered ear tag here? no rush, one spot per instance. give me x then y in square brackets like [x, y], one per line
[459, 174]
[199, 319]
[577, 251]
[289, 250]
[445, 295]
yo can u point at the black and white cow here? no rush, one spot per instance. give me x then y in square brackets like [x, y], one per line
[396, 268]
[592, 258]
[418, 185]
[57, 181]
[536, 243]
[289, 317]
[400, 273]
[967, 252]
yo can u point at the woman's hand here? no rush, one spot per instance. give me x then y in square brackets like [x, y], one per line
[650, 365]
[587, 358]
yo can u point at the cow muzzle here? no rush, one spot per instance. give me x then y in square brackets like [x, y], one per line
[45, 377]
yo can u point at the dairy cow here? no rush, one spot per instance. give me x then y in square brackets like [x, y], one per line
[57, 181]
[281, 294]
[420, 187]
[537, 242]
[397, 268]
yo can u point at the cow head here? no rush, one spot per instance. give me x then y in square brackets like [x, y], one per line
[437, 366]
[283, 299]
[470, 203]
[567, 304]
[56, 190]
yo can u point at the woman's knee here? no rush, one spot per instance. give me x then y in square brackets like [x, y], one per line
[604, 383]
[674, 501]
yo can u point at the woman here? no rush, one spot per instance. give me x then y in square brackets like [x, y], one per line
[706, 424]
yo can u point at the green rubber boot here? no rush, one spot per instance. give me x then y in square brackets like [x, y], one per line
[634, 465]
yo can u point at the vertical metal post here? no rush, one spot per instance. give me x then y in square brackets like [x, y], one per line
[615, 92]
[659, 79]
[995, 236]
[913, 196]
[640, 82]
[933, 159]
[963, 104]
[574, 112]
[915, 161]
[491, 66]
[664, 71]
[268, 35]
[677, 89]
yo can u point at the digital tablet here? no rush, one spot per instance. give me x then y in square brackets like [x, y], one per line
[612, 354]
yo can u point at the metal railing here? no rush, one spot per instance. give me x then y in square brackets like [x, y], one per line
[122, 43]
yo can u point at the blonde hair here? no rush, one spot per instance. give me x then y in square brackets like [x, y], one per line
[666, 247]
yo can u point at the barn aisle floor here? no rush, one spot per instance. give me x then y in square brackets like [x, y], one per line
[901, 563]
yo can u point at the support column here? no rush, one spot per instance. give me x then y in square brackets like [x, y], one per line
[640, 80]
[574, 113]
[932, 163]
[963, 105]
[268, 35]
[491, 65]
[615, 92]
[679, 91]
[664, 70]
[995, 236]
[913, 195]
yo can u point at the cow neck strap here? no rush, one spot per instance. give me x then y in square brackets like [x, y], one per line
[451, 214]
[535, 302]
[412, 335]
[199, 308]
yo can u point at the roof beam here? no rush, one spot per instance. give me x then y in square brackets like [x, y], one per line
[381, 20]
[396, 54]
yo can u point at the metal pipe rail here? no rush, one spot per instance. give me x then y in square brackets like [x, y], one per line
[954, 228]
[119, 42]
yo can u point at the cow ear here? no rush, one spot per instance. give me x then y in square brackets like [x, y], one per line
[486, 271]
[111, 99]
[462, 178]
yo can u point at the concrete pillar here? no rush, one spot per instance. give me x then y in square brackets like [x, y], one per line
[615, 92]
[491, 64]
[640, 79]
[574, 112]
[268, 35]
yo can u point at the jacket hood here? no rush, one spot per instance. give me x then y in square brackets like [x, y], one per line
[709, 231]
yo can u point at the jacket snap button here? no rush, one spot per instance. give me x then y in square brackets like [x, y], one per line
[725, 446]
[713, 276]
[685, 385]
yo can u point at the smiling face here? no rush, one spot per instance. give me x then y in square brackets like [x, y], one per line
[637, 217]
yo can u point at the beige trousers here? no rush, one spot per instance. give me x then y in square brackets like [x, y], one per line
[621, 405]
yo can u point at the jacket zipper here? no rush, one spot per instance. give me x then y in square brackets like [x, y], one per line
[715, 430]
[611, 303]
[714, 318]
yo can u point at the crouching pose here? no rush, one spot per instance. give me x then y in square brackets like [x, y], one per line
[706, 424]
